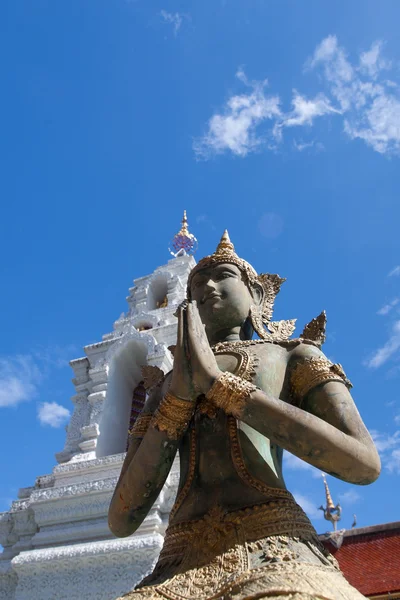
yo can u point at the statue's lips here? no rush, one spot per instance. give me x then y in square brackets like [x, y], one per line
[211, 297]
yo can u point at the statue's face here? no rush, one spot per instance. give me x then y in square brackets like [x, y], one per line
[222, 296]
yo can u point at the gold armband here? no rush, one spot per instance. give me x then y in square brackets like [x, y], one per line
[309, 373]
[230, 393]
[140, 426]
[173, 415]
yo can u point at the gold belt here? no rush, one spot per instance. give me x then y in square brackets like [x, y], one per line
[219, 530]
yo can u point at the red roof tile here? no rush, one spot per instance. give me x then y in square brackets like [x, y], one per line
[370, 559]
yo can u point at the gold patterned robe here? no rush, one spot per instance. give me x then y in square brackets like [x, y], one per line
[268, 550]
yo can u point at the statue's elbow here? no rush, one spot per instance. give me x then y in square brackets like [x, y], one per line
[375, 467]
[372, 469]
[120, 522]
[120, 527]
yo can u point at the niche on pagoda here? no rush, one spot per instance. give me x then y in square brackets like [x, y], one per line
[157, 294]
[124, 381]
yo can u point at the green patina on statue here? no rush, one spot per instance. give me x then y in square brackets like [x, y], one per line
[231, 405]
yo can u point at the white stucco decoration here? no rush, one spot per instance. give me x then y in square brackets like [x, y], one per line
[56, 540]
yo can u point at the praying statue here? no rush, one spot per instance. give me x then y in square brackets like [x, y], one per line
[232, 403]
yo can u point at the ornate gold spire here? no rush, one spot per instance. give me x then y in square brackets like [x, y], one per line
[183, 241]
[329, 501]
[331, 512]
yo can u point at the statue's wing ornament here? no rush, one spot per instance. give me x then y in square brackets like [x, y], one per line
[152, 377]
[315, 330]
[281, 330]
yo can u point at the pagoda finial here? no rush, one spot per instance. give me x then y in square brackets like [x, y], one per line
[331, 512]
[183, 241]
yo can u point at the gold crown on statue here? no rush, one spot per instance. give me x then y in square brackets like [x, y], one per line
[270, 283]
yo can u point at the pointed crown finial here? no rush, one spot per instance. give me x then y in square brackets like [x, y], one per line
[225, 245]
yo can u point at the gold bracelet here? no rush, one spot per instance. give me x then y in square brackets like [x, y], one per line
[140, 426]
[230, 393]
[173, 415]
[309, 373]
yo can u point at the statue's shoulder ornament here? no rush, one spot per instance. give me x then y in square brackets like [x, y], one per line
[311, 370]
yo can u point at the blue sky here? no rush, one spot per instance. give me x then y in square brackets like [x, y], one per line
[277, 119]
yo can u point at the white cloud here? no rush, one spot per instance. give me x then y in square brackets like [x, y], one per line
[293, 463]
[395, 271]
[305, 111]
[372, 62]
[53, 414]
[386, 308]
[388, 446]
[367, 104]
[349, 497]
[373, 110]
[19, 378]
[175, 19]
[235, 128]
[308, 505]
[383, 354]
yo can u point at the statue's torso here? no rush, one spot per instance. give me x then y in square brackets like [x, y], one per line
[221, 459]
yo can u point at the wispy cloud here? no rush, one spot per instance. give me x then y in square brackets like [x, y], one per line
[388, 446]
[394, 272]
[21, 375]
[293, 463]
[358, 93]
[300, 145]
[386, 308]
[307, 505]
[350, 497]
[52, 414]
[174, 19]
[19, 379]
[383, 354]
[372, 61]
[235, 128]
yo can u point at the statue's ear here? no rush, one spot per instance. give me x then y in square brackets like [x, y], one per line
[257, 293]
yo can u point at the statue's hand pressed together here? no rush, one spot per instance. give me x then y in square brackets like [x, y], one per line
[204, 367]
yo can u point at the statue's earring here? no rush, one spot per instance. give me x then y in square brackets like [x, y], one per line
[257, 321]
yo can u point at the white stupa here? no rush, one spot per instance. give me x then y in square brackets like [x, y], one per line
[57, 544]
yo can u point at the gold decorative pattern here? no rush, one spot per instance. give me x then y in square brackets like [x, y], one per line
[189, 478]
[173, 415]
[271, 284]
[268, 550]
[281, 330]
[315, 329]
[241, 469]
[230, 393]
[313, 371]
[152, 377]
[141, 425]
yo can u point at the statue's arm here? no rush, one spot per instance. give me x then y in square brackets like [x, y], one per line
[145, 469]
[324, 429]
